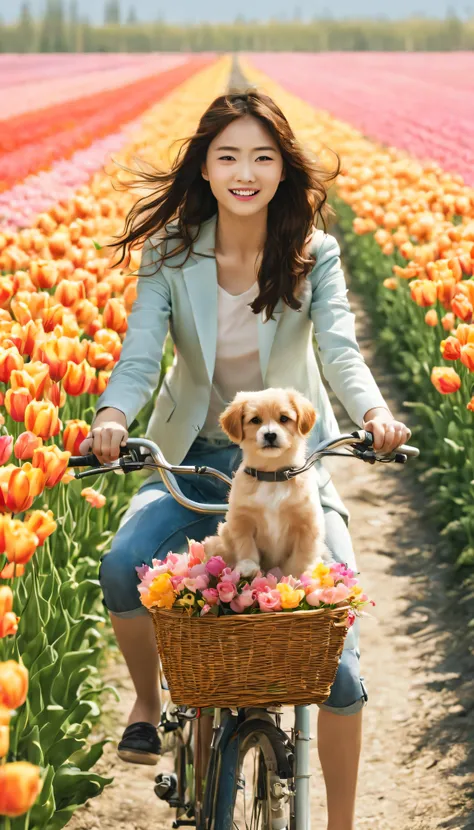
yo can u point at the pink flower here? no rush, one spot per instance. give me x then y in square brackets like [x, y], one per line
[243, 600]
[205, 610]
[6, 446]
[314, 597]
[215, 565]
[351, 617]
[196, 552]
[142, 570]
[197, 570]
[269, 600]
[177, 563]
[226, 591]
[259, 583]
[229, 575]
[291, 581]
[197, 584]
[333, 595]
[211, 595]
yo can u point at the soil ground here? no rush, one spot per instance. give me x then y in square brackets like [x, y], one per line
[417, 763]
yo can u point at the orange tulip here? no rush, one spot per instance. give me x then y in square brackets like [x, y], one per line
[4, 736]
[11, 571]
[67, 292]
[39, 373]
[99, 358]
[21, 488]
[431, 317]
[465, 333]
[6, 600]
[52, 462]
[470, 405]
[26, 444]
[20, 543]
[32, 331]
[78, 378]
[6, 444]
[55, 394]
[462, 307]
[448, 321]
[52, 317]
[20, 786]
[445, 380]
[43, 273]
[423, 292]
[102, 380]
[391, 283]
[7, 290]
[74, 433]
[115, 315]
[42, 523]
[42, 418]
[8, 624]
[13, 684]
[17, 402]
[467, 356]
[55, 353]
[86, 312]
[450, 348]
[445, 290]
[10, 359]
[94, 498]
[110, 340]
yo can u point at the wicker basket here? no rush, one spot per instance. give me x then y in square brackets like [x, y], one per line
[250, 659]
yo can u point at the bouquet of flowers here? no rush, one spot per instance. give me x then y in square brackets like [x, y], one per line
[202, 586]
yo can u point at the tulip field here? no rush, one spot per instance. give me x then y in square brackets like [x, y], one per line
[405, 206]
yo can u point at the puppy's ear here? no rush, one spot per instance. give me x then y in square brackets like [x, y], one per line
[305, 412]
[231, 420]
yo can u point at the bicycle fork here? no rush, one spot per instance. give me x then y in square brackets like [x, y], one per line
[302, 768]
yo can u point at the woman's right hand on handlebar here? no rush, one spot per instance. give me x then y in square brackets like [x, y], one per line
[108, 433]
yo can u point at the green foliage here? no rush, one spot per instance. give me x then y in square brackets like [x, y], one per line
[59, 31]
[442, 426]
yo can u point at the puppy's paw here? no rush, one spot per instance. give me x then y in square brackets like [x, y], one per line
[247, 568]
[213, 546]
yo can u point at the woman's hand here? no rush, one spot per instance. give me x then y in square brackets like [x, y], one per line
[108, 433]
[388, 433]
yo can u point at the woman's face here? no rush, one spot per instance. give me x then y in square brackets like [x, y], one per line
[243, 167]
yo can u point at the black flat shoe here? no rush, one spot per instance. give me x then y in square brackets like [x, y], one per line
[140, 744]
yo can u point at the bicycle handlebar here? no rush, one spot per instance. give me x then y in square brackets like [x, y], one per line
[359, 444]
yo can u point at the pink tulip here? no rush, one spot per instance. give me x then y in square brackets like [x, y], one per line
[197, 553]
[262, 582]
[142, 571]
[333, 595]
[229, 575]
[243, 600]
[226, 591]
[198, 584]
[269, 600]
[211, 595]
[215, 565]
[314, 597]
[26, 444]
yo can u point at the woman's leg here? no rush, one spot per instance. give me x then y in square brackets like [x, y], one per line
[340, 716]
[154, 524]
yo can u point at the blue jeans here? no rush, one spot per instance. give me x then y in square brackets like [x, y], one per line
[155, 523]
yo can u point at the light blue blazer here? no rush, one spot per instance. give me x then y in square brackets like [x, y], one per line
[185, 300]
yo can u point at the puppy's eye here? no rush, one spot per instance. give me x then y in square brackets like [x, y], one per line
[256, 420]
[284, 419]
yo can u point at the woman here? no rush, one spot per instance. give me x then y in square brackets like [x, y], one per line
[233, 263]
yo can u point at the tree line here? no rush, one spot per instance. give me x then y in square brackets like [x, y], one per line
[63, 29]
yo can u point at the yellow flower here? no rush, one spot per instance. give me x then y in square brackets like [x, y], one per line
[320, 571]
[290, 597]
[161, 592]
[187, 600]
[327, 581]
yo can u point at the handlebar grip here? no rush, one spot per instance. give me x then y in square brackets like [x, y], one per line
[90, 460]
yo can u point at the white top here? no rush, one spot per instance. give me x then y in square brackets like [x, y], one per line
[237, 365]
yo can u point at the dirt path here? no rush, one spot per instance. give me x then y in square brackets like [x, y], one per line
[417, 660]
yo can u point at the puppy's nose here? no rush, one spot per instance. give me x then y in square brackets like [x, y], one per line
[270, 437]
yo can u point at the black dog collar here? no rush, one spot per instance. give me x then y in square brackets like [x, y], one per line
[283, 474]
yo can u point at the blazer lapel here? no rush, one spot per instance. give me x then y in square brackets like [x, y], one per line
[200, 277]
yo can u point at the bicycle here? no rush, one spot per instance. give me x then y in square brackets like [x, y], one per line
[256, 774]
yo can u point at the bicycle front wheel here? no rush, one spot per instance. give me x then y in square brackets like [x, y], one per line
[255, 780]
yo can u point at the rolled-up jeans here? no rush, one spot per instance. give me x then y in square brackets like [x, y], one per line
[155, 523]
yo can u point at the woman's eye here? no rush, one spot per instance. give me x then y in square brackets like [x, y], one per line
[265, 157]
[224, 158]
[284, 419]
[256, 420]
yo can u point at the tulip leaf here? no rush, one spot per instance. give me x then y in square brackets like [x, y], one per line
[62, 750]
[454, 445]
[87, 758]
[45, 805]
[74, 785]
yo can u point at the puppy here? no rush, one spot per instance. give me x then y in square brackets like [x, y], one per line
[271, 524]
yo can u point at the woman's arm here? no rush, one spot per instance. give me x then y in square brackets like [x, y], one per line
[135, 376]
[342, 362]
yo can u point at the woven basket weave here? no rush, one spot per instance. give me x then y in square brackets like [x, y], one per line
[250, 659]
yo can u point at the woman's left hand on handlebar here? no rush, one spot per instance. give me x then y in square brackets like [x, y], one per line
[388, 433]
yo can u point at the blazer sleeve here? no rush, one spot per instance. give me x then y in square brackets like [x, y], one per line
[135, 375]
[334, 325]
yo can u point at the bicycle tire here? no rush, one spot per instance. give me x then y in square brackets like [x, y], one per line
[263, 750]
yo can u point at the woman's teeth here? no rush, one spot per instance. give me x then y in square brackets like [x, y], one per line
[244, 194]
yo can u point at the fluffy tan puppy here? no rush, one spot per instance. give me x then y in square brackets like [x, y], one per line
[271, 524]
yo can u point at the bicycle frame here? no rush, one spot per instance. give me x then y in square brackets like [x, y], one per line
[357, 444]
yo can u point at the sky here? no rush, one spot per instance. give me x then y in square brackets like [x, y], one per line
[220, 11]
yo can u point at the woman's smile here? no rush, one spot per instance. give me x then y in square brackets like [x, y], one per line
[244, 194]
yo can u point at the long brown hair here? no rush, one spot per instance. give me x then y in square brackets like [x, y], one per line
[183, 196]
